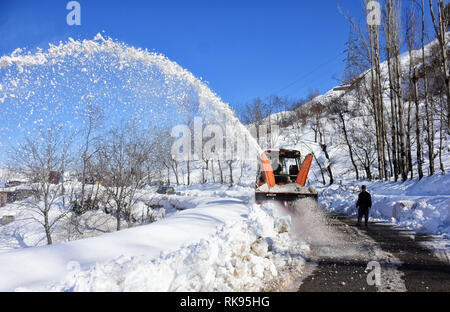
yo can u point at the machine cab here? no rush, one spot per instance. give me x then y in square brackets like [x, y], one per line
[285, 165]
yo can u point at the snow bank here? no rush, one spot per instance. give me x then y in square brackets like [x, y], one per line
[235, 258]
[422, 206]
[26, 231]
[223, 244]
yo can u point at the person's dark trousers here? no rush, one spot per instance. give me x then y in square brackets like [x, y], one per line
[363, 212]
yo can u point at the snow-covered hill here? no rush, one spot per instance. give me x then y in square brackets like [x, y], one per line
[422, 206]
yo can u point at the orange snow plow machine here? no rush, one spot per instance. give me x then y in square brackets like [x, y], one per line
[287, 182]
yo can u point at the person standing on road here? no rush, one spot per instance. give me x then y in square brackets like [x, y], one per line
[363, 204]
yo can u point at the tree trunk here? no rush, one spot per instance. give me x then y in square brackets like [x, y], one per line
[441, 138]
[45, 212]
[230, 166]
[401, 127]
[408, 141]
[188, 172]
[220, 171]
[389, 157]
[321, 170]
[430, 134]
[330, 172]
[429, 109]
[440, 28]
[392, 98]
[410, 42]
[213, 174]
[344, 128]
[168, 175]
[418, 136]
[47, 229]
[367, 168]
[175, 171]
[118, 216]
[378, 104]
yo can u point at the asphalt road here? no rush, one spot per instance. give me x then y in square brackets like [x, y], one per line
[341, 264]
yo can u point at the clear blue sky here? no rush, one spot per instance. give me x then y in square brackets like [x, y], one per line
[244, 49]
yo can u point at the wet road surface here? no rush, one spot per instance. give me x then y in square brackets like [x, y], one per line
[406, 263]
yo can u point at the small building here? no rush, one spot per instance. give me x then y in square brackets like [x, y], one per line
[54, 177]
[19, 194]
[70, 176]
[3, 198]
[343, 87]
[13, 194]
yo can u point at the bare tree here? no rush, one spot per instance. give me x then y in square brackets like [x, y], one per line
[365, 155]
[323, 146]
[339, 110]
[371, 48]
[412, 34]
[320, 168]
[126, 153]
[316, 109]
[440, 25]
[163, 144]
[393, 42]
[94, 116]
[41, 159]
[254, 114]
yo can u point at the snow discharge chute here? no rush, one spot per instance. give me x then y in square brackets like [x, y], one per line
[304, 170]
[268, 170]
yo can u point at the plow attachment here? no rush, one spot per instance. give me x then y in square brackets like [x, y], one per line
[284, 197]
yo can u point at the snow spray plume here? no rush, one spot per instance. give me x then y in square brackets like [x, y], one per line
[61, 85]
[310, 224]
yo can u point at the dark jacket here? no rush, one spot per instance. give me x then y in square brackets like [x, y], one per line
[364, 200]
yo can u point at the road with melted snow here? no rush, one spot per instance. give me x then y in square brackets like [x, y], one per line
[406, 261]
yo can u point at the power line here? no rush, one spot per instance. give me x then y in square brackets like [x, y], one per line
[308, 74]
[311, 83]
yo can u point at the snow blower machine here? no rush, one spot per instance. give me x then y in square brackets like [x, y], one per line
[287, 183]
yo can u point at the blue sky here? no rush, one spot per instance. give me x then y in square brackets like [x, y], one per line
[244, 49]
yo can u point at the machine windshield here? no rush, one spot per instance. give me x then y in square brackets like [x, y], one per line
[286, 169]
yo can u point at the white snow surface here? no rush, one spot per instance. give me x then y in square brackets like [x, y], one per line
[222, 244]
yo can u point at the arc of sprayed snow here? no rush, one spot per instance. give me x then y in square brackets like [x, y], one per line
[57, 53]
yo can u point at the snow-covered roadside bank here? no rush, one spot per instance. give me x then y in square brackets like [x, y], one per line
[422, 206]
[26, 231]
[224, 244]
[252, 254]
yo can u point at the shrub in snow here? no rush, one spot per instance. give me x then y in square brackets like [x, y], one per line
[157, 214]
